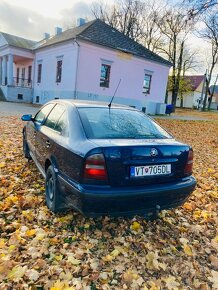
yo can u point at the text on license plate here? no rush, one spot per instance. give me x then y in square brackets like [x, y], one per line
[150, 170]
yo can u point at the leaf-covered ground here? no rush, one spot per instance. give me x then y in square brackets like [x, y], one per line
[40, 250]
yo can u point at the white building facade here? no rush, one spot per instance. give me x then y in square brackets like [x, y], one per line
[91, 62]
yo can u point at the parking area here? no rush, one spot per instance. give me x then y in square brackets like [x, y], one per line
[17, 109]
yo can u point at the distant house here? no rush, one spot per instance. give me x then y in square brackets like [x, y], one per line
[192, 95]
[214, 102]
[85, 62]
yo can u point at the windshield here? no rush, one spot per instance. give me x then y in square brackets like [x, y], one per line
[116, 123]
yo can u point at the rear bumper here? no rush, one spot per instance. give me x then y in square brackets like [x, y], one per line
[104, 200]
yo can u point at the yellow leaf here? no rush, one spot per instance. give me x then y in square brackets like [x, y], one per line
[11, 248]
[215, 239]
[58, 285]
[73, 261]
[108, 258]
[2, 165]
[214, 279]
[205, 214]
[152, 260]
[129, 276]
[2, 243]
[30, 233]
[135, 226]
[115, 253]
[188, 250]
[14, 199]
[17, 272]
[59, 258]
[171, 283]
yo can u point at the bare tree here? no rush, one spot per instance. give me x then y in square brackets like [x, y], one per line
[210, 34]
[197, 7]
[175, 28]
[124, 15]
[190, 62]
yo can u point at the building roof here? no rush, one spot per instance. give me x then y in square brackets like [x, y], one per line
[215, 90]
[194, 81]
[95, 31]
[99, 32]
[18, 41]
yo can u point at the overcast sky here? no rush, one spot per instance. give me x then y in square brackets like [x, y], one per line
[31, 18]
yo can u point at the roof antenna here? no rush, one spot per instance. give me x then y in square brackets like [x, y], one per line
[109, 106]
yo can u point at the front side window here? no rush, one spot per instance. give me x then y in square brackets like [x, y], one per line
[53, 118]
[115, 123]
[105, 75]
[147, 84]
[59, 71]
[39, 73]
[40, 116]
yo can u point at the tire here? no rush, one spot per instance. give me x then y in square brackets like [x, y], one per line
[52, 191]
[26, 150]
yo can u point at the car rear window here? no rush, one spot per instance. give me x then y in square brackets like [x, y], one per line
[117, 123]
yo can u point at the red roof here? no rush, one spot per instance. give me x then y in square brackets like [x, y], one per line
[194, 81]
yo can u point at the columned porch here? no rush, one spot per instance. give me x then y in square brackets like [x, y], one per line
[16, 75]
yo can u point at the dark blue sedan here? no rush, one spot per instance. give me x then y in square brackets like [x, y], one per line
[103, 160]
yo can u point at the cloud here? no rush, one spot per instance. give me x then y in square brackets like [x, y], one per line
[24, 22]
[79, 10]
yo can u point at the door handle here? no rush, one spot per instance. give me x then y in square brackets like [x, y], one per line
[48, 144]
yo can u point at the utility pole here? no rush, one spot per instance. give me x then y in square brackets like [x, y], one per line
[212, 93]
[202, 92]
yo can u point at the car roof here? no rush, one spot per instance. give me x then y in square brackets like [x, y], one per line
[94, 104]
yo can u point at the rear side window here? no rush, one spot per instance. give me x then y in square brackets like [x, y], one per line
[102, 123]
[56, 120]
[40, 116]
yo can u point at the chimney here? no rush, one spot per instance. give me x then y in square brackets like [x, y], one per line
[80, 21]
[58, 30]
[46, 35]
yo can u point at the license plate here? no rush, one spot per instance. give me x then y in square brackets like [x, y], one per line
[150, 170]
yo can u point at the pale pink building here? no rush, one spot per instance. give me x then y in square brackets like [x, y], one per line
[91, 61]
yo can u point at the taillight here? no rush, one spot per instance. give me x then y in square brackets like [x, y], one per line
[95, 167]
[189, 164]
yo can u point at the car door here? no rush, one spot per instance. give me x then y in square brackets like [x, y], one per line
[33, 127]
[48, 135]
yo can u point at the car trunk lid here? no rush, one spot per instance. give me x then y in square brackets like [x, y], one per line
[141, 162]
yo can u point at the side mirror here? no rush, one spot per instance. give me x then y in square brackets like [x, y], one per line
[27, 118]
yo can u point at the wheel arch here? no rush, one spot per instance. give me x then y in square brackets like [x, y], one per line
[51, 161]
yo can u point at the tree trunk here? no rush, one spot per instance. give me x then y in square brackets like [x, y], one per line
[207, 87]
[174, 94]
[212, 93]
[176, 80]
[166, 97]
[181, 100]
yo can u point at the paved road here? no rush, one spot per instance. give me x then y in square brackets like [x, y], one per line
[190, 118]
[17, 109]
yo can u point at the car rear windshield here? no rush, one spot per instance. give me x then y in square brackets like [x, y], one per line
[117, 123]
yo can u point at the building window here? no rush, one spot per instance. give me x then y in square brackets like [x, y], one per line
[59, 71]
[18, 75]
[105, 75]
[20, 96]
[29, 74]
[39, 74]
[147, 84]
